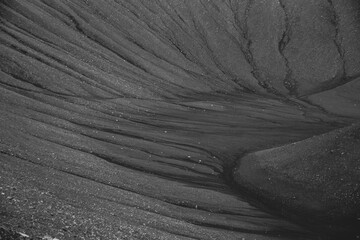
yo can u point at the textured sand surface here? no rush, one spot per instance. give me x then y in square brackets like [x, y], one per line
[318, 176]
[125, 119]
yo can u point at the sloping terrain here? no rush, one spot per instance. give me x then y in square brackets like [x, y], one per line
[125, 119]
[318, 176]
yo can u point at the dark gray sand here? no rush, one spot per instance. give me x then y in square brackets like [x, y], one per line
[150, 119]
[316, 177]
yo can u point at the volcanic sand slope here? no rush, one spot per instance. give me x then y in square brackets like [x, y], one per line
[123, 119]
[318, 176]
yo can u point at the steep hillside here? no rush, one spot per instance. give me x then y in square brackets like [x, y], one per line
[318, 176]
[124, 119]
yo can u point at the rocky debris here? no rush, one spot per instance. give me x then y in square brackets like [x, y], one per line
[48, 238]
[8, 234]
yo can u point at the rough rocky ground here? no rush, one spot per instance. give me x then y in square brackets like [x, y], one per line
[125, 119]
